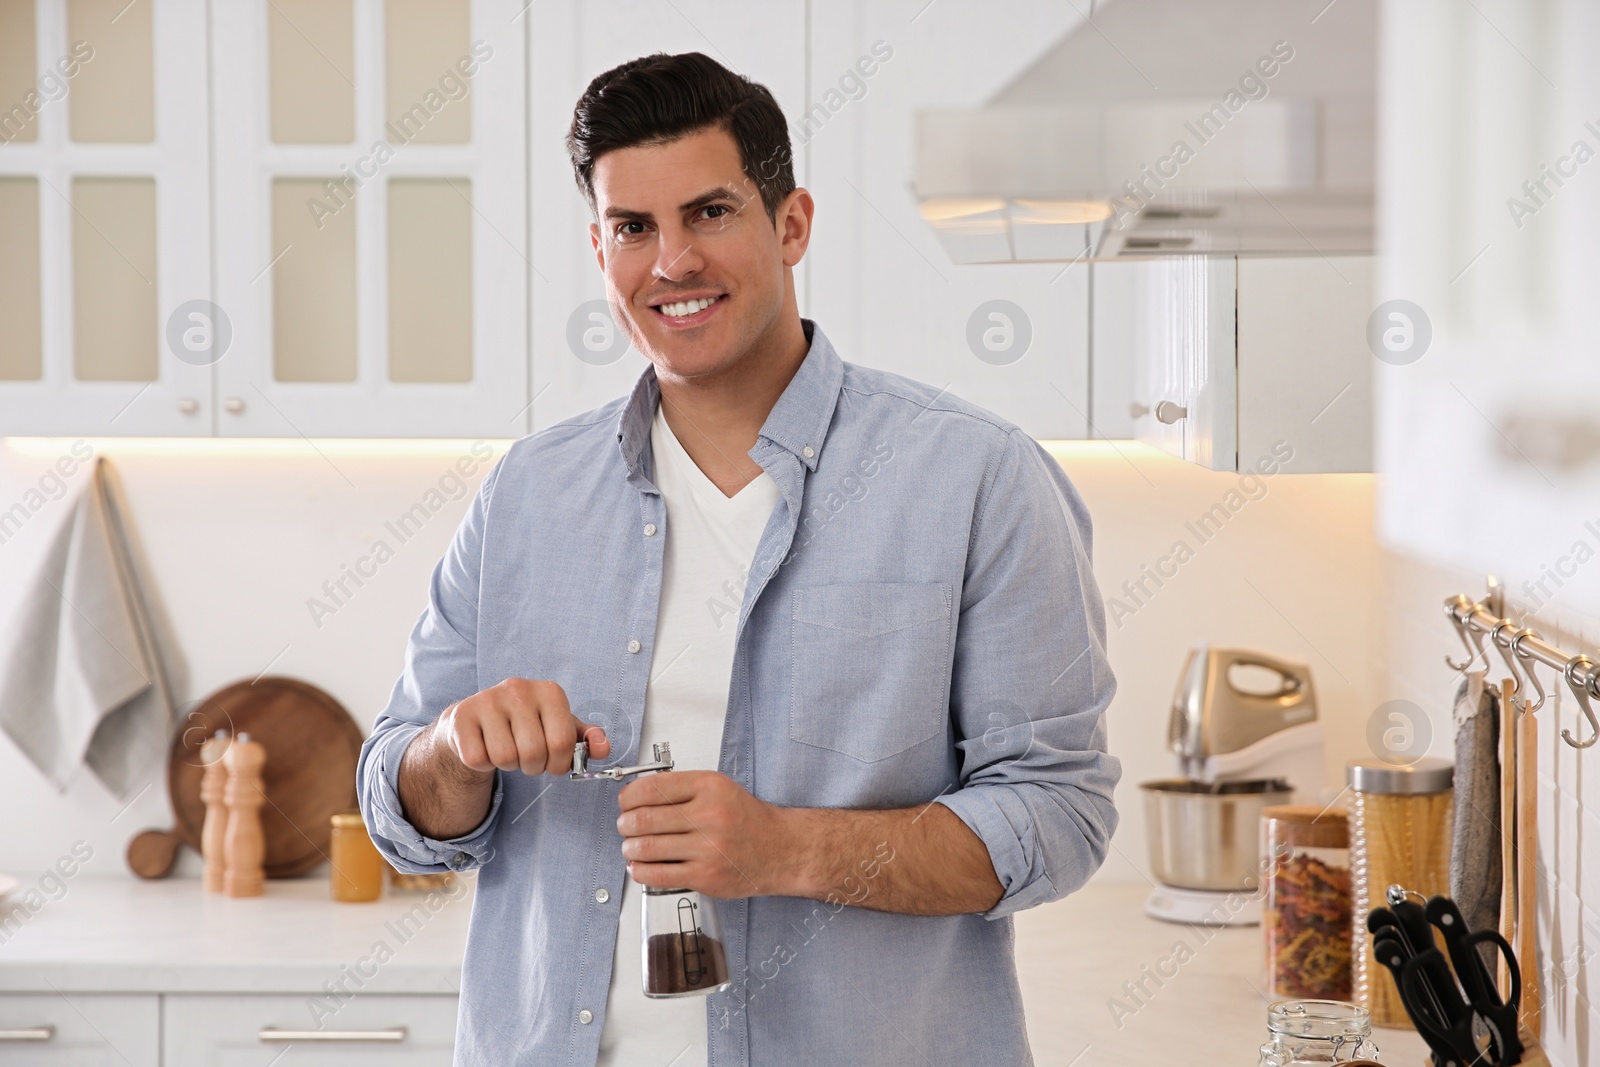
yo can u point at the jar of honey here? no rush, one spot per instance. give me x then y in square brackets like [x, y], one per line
[355, 869]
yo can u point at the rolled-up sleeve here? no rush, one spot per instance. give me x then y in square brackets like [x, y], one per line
[1031, 683]
[440, 669]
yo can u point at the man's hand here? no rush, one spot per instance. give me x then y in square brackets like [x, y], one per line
[701, 830]
[519, 725]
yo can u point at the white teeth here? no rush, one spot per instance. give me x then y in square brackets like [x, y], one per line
[687, 307]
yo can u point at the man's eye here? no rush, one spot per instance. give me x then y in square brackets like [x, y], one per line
[720, 209]
[624, 233]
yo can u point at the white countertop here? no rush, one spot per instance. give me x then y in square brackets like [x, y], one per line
[1074, 956]
[170, 936]
[1073, 959]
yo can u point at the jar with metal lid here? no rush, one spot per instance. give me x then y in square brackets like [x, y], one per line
[1305, 919]
[1304, 1032]
[1399, 834]
[355, 869]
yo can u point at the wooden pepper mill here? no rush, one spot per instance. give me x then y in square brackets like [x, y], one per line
[243, 845]
[214, 829]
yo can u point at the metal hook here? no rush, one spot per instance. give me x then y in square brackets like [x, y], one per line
[1506, 654]
[1532, 674]
[1581, 691]
[1455, 607]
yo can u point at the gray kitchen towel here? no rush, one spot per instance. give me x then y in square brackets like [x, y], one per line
[83, 678]
[1475, 846]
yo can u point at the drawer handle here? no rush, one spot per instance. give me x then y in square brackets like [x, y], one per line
[272, 1035]
[29, 1033]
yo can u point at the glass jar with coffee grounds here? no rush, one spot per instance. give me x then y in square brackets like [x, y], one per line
[681, 944]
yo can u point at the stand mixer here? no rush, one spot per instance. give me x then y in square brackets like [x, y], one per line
[680, 939]
[1239, 750]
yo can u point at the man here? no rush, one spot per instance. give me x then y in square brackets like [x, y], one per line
[860, 610]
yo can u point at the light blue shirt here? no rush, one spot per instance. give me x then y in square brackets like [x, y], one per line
[920, 625]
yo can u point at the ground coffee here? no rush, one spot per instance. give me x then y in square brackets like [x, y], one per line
[683, 963]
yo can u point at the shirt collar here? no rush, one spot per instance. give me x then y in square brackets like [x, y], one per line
[797, 422]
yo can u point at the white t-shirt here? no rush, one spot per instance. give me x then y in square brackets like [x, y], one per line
[710, 542]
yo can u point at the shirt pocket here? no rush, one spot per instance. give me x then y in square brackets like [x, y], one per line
[870, 666]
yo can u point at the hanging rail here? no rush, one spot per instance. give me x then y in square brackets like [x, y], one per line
[1521, 648]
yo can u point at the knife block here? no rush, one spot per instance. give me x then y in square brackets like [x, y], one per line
[213, 784]
[243, 844]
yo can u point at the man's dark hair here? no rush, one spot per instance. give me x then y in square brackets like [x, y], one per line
[659, 98]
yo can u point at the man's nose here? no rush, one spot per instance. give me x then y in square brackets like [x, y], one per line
[677, 257]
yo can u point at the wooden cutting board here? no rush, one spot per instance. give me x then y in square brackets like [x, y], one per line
[310, 774]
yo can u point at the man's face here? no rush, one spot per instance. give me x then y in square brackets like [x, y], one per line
[681, 223]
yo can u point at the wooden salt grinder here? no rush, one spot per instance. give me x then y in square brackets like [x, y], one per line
[243, 845]
[214, 829]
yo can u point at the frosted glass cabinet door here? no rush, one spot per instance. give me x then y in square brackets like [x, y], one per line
[375, 269]
[105, 219]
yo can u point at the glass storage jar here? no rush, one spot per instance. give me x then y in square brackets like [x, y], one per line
[1305, 1032]
[1305, 915]
[355, 869]
[1400, 817]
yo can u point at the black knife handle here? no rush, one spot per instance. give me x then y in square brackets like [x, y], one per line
[1441, 980]
[1393, 956]
[1417, 980]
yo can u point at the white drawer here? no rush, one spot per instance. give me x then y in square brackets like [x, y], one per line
[233, 1031]
[80, 1030]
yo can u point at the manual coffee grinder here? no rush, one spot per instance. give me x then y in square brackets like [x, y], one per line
[680, 940]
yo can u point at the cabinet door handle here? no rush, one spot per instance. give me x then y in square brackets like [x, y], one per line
[272, 1035]
[29, 1033]
[1169, 413]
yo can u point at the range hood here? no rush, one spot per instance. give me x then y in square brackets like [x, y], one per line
[1168, 127]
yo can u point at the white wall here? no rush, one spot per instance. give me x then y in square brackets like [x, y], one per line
[1292, 572]
[239, 535]
[1418, 637]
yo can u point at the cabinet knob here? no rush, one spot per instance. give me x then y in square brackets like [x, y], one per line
[188, 405]
[234, 404]
[1169, 413]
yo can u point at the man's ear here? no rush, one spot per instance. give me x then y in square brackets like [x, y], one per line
[599, 253]
[793, 225]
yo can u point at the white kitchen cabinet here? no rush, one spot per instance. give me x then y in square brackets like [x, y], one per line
[581, 358]
[104, 216]
[264, 219]
[222, 1031]
[1012, 338]
[1235, 360]
[1489, 429]
[371, 247]
[80, 1030]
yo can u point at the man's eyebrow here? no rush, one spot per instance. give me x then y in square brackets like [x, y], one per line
[710, 196]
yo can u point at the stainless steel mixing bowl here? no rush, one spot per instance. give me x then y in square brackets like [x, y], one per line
[1208, 836]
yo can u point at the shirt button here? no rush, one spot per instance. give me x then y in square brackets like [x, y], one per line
[602, 895]
[649, 529]
[460, 860]
[633, 645]
[808, 451]
[586, 1016]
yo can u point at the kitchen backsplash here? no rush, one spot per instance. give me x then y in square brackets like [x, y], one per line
[310, 561]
